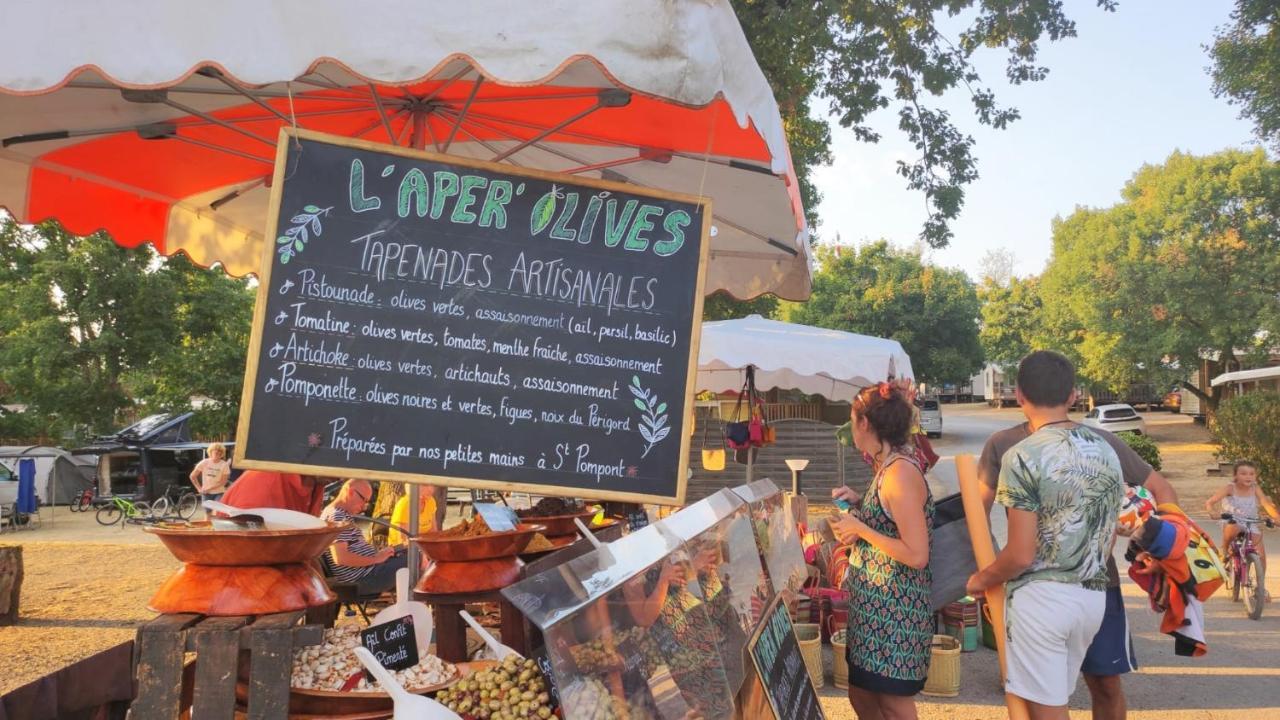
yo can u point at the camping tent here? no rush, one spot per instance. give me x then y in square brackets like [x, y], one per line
[813, 360]
[60, 476]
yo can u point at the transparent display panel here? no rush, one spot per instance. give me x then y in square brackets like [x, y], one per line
[777, 536]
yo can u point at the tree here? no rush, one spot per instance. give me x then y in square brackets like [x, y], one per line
[91, 331]
[1248, 428]
[211, 315]
[1012, 320]
[1187, 266]
[882, 291]
[865, 56]
[1246, 65]
[723, 306]
[997, 267]
[80, 313]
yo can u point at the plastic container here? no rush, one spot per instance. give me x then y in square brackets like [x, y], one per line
[944, 668]
[809, 636]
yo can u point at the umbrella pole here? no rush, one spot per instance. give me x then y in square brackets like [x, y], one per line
[412, 558]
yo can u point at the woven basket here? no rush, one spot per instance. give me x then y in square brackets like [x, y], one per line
[839, 661]
[944, 668]
[809, 636]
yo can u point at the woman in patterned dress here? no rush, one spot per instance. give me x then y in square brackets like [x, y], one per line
[890, 624]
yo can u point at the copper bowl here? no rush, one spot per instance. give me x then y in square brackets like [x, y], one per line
[451, 548]
[198, 543]
[559, 525]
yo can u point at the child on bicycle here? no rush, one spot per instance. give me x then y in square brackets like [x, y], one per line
[1242, 497]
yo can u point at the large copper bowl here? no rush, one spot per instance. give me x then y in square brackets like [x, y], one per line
[446, 548]
[199, 544]
[560, 525]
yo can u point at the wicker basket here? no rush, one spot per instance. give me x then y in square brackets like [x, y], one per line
[839, 661]
[809, 636]
[944, 668]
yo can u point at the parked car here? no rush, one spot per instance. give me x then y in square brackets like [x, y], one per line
[141, 461]
[930, 417]
[1116, 418]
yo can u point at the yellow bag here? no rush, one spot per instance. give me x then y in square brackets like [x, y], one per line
[713, 459]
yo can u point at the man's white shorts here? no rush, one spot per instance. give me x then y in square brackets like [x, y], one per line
[1050, 627]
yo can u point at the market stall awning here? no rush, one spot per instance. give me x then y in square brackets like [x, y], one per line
[155, 121]
[814, 360]
[1265, 373]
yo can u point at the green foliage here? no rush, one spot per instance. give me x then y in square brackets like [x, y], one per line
[866, 56]
[723, 306]
[882, 291]
[93, 334]
[1145, 447]
[1248, 428]
[1012, 320]
[1187, 263]
[1246, 65]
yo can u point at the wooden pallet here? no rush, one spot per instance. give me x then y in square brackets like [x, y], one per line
[160, 661]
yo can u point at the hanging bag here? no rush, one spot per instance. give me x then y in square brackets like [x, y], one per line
[712, 458]
[770, 433]
[738, 433]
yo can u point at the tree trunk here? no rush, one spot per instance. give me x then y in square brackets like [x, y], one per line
[10, 583]
[388, 493]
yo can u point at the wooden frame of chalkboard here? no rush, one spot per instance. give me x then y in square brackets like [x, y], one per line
[260, 449]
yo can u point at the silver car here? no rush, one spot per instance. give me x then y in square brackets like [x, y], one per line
[930, 417]
[1116, 418]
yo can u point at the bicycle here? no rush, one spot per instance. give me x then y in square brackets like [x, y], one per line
[178, 500]
[130, 512]
[82, 501]
[1244, 567]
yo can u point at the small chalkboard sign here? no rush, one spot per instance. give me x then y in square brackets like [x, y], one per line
[392, 643]
[637, 520]
[780, 666]
[544, 664]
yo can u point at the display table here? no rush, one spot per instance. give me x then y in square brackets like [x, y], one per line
[217, 642]
[451, 629]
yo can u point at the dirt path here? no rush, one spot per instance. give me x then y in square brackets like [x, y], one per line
[1239, 679]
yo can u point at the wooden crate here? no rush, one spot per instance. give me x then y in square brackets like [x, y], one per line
[160, 661]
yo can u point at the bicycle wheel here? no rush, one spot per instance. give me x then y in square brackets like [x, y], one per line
[82, 503]
[187, 505]
[1255, 587]
[152, 511]
[109, 514]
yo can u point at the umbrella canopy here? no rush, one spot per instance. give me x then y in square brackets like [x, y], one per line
[816, 361]
[156, 121]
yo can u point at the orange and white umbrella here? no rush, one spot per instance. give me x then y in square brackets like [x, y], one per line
[156, 121]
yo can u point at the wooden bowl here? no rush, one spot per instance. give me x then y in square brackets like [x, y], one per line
[475, 576]
[200, 544]
[221, 590]
[561, 525]
[446, 548]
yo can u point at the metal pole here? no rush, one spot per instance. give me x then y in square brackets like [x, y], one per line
[413, 530]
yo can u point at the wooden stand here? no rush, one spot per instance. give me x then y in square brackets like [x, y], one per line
[217, 642]
[451, 629]
[10, 583]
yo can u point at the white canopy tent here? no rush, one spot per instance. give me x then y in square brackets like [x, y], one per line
[815, 361]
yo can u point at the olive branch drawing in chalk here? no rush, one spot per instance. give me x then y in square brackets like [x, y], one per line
[544, 210]
[295, 239]
[653, 422]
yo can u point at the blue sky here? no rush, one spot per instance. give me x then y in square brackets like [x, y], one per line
[1128, 90]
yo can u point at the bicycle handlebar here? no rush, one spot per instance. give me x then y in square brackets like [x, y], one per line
[1243, 520]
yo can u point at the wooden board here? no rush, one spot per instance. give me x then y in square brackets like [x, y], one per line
[432, 319]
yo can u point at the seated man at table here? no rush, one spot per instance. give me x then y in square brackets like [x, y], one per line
[400, 517]
[354, 560]
[286, 491]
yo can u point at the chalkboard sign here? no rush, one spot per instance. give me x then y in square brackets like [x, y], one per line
[393, 643]
[427, 318]
[781, 668]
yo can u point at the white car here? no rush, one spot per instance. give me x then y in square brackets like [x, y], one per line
[930, 417]
[1116, 418]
